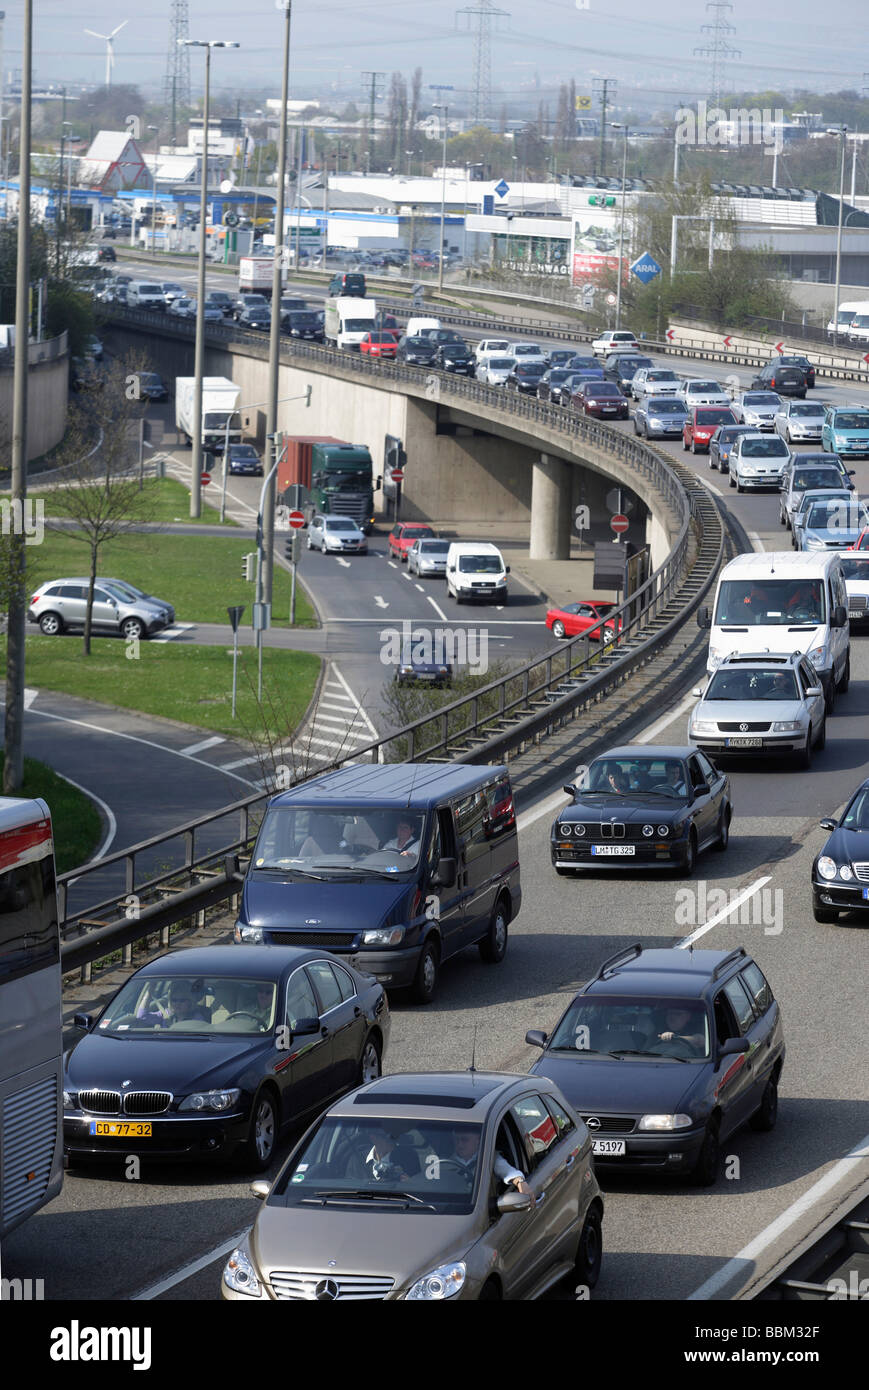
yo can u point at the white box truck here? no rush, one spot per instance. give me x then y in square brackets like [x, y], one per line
[219, 404]
[255, 275]
[348, 320]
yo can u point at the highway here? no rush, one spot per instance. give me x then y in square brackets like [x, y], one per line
[165, 1236]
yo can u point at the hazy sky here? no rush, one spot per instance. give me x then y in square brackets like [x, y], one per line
[648, 42]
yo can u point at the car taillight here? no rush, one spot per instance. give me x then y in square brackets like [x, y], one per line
[35, 598]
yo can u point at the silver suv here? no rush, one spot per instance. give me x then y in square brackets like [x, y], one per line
[118, 608]
[762, 704]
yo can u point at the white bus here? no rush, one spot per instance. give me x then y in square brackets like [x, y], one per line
[31, 1131]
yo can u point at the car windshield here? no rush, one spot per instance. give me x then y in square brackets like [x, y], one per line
[727, 436]
[501, 364]
[851, 420]
[356, 325]
[713, 417]
[603, 388]
[590, 362]
[526, 350]
[557, 375]
[415, 532]
[705, 387]
[804, 479]
[340, 523]
[163, 1006]
[753, 685]
[429, 1166]
[434, 547]
[665, 407]
[530, 369]
[243, 451]
[636, 777]
[836, 516]
[765, 448]
[493, 346]
[857, 815]
[805, 410]
[652, 1027]
[856, 567]
[760, 398]
[380, 841]
[768, 601]
[149, 379]
[480, 564]
[661, 375]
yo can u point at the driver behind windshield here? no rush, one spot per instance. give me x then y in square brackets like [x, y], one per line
[674, 1024]
[407, 835]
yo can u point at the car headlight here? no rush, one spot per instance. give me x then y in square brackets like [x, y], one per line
[746, 468]
[667, 1122]
[703, 726]
[845, 872]
[818, 656]
[715, 657]
[70, 1100]
[648, 830]
[815, 543]
[253, 936]
[565, 831]
[211, 1100]
[444, 1282]
[383, 936]
[826, 867]
[786, 726]
[240, 1275]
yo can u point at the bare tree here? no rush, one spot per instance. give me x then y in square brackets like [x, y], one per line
[100, 494]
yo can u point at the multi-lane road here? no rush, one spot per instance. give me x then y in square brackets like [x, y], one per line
[166, 1235]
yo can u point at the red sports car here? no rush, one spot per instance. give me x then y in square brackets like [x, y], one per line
[576, 618]
[403, 535]
[697, 432]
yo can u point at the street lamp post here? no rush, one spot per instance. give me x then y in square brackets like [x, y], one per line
[268, 523]
[444, 107]
[156, 130]
[617, 125]
[199, 354]
[842, 132]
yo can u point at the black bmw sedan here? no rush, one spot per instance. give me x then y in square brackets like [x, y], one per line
[643, 806]
[840, 873]
[210, 1052]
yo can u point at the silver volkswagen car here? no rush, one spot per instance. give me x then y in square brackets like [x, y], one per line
[761, 704]
[427, 556]
[118, 608]
[468, 1185]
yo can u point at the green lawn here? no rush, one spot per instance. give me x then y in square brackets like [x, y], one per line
[190, 684]
[200, 575]
[75, 819]
[164, 500]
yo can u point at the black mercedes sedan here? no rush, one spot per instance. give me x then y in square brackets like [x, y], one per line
[666, 1053]
[840, 873]
[211, 1052]
[643, 806]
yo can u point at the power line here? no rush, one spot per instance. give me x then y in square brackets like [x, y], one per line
[373, 78]
[601, 88]
[719, 50]
[486, 15]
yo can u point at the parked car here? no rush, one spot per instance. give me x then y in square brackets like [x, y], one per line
[378, 344]
[846, 430]
[659, 416]
[61, 604]
[714, 1012]
[404, 534]
[244, 460]
[494, 371]
[600, 398]
[444, 1222]
[702, 423]
[757, 408]
[784, 380]
[612, 340]
[583, 619]
[837, 871]
[643, 806]
[197, 1029]
[336, 535]
[428, 556]
[757, 460]
[799, 420]
[764, 705]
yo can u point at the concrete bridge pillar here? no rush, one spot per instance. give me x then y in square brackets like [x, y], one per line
[551, 488]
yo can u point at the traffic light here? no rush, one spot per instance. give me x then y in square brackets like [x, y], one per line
[293, 547]
[248, 566]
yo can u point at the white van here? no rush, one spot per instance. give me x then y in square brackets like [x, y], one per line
[146, 294]
[780, 602]
[416, 326]
[476, 570]
[843, 318]
[858, 328]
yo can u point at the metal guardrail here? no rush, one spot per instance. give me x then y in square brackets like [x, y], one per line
[47, 351]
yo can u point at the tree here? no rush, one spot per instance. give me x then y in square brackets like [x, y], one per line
[415, 102]
[102, 497]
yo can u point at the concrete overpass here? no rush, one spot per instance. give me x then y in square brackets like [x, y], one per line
[474, 452]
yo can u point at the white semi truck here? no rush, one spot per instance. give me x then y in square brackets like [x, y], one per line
[219, 404]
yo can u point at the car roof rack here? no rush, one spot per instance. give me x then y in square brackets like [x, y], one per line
[620, 957]
[728, 961]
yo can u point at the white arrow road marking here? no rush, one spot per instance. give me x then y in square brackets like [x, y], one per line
[345, 563]
[381, 602]
[29, 697]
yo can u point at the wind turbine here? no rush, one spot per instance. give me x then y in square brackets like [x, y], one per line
[110, 48]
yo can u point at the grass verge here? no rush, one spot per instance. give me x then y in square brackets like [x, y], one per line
[190, 684]
[75, 819]
[164, 500]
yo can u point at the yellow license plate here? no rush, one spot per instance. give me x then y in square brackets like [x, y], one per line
[120, 1129]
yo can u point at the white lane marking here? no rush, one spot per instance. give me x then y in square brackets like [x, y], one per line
[107, 812]
[712, 487]
[421, 589]
[345, 563]
[359, 710]
[555, 801]
[187, 1271]
[855, 1158]
[393, 565]
[29, 697]
[756, 541]
[725, 912]
[332, 719]
[132, 738]
[206, 743]
[381, 603]
[240, 762]
[440, 612]
[342, 705]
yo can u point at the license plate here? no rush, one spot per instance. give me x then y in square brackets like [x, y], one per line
[612, 849]
[744, 742]
[856, 613]
[611, 1148]
[866, 892]
[609, 410]
[120, 1129]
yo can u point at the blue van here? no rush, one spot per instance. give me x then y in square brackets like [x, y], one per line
[394, 867]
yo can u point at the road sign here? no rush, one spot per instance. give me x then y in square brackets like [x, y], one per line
[728, 340]
[262, 616]
[230, 219]
[866, 357]
[296, 520]
[645, 268]
[779, 347]
[619, 523]
[611, 298]
[670, 335]
[583, 103]
[205, 479]
[397, 475]
[502, 189]
[235, 615]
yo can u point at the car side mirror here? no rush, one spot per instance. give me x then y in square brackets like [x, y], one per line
[444, 875]
[840, 616]
[827, 824]
[535, 1037]
[702, 789]
[814, 690]
[733, 1046]
[507, 569]
[305, 1026]
[261, 1188]
[703, 620]
[515, 1202]
[697, 692]
[851, 472]
[570, 789]
[83, 1021]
